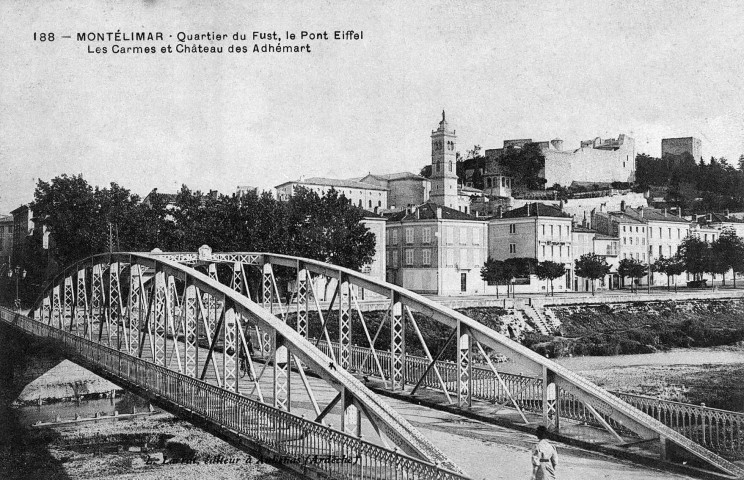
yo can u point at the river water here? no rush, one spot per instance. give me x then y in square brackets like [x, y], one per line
[678, 356]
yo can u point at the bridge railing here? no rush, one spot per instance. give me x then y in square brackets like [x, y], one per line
[307, 446]
[721, 431]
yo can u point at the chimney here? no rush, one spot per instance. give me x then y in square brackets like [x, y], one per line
[601, 207]
[726, 212]
[641, 211]
[679, 212]
[665, 212]
[622, 206]
[439, 211]
[500, 211]
[710, 217]
[528, 209]
[418, 212]
[560, 205]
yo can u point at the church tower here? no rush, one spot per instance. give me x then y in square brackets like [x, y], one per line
[443, 160]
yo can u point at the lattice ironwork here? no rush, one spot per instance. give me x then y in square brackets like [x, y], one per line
[464, 364]
[230, 350]
[397, 344]
[136, 306]
[159, 320]
[190, 329]
[82, 316]
[114, 310]
[303, 300]
[282, 370]
[97, 301]
[68, 302]
[56, 309]
[344, 324]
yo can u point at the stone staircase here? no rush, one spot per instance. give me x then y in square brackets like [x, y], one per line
[538, 319]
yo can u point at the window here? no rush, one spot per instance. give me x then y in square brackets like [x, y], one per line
[643, 241]
[660, 252]
[463, 258]
[660, 232]
[394, 241]
[560, 251]
[625, 240]
[463, 235]
[551, 230]
[450, 258]
[568, 251]
[409, 235]
[409, 256]
[395, 258]
[543, 251]
[552, 251]
[476, 257]
[512, 248]
[631, 240]
[476, 236]
[512, 228]
[650, 233]
[450, 235]
[623, 228]
[543, 229]
[560, 229]
[670, 233]
[679, 233]
[370, 204]
[426, 235]
[426, 256]
[670, 250]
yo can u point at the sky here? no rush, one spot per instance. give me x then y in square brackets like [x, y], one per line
[500, 69]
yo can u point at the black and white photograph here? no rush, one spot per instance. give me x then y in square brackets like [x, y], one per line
[421, 240]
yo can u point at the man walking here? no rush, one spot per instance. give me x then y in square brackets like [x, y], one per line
[544, 457]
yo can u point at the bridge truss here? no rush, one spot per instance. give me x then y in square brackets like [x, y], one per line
[173, 333]
[546, 387]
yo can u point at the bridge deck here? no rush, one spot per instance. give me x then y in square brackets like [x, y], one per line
[466, 441]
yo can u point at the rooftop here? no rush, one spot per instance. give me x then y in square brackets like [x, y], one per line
[536, 210]
[334, 182]
[654, 215]
[428, 211]
[396, 176]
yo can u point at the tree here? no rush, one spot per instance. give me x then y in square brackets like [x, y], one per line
[548, 270]
[591, 266]
[669, 266]
[694, 252]
[633, 268]
[727, 253]
[524, 165]
[495, 273]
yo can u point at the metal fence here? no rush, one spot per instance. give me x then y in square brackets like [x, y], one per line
[302, 445]
[720, 431]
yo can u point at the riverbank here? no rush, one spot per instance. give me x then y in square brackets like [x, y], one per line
[641, 327]
[713, 376]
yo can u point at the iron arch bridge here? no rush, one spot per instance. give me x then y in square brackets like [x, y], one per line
[173, 334]
[155, 321]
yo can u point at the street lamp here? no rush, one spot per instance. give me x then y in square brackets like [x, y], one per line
[18, 274]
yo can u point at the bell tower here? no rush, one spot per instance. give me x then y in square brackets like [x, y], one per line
[443, 166]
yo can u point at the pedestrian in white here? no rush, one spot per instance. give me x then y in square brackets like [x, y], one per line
[544, 457]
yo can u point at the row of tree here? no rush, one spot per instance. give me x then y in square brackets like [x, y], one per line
[695, 256]
[83, 220]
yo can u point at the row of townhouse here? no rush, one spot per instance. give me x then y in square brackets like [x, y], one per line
[439, 250]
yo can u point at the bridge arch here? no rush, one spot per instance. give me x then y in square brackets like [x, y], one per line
[558, 386]
[152, 307]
